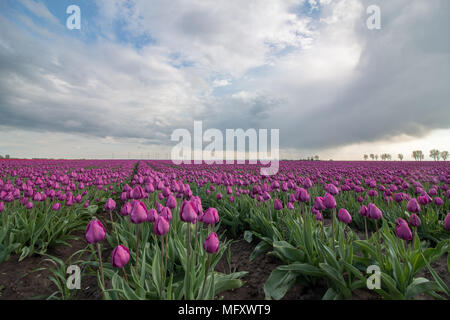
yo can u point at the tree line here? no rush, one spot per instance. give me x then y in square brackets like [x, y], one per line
[417, 155]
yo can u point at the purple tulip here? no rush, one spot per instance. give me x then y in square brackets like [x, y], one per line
[138, 213]
[364, 211]
[447, 222]
[344, 216]
[110, 205]
[414, 220]
[187, 212]
[171, 202]
[403, 231]
[329, 201]
[277, 204]
[152, 215]
[210, 216]
[413, 206]
[374, 212]
[166, 213]
[438, 201]
[318, 203]
[120, 256]
[95, 232]
[56, 206]
[211, 244]
[161, 226]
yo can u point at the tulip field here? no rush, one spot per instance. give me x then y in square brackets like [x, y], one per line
[152, 230]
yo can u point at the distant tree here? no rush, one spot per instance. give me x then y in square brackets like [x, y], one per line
[7, 156]
[372, 156]
[366, 157]
[435, 154]
[400, 156]
[1, 157]
[418, 155]
[316, 158]
[444, 155]
[376, 157]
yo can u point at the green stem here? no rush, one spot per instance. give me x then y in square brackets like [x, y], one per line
[101, 264]
[206, 276]
[137, 248]
[365, 226]
[188, 261]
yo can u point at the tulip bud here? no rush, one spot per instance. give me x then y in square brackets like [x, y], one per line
[110, 205]
[187, 212]
[447, 222]
[56, 206]
[413, 206]
[344, 216]
[95, 232]
[166, 213]
[364, 211]
[211, 244]
[210, 216]
[152, 215]
[403, 231]
[120, 256]
[329, 201]
[277, 204]
[138, 212]
[374, 212]
[171, 202]
[414, 220]
[161, 226]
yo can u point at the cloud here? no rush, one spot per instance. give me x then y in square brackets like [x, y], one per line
[325, 81]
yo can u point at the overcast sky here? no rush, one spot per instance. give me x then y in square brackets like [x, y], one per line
[138, 69]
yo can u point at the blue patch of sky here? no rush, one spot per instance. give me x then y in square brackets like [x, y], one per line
[306, 9]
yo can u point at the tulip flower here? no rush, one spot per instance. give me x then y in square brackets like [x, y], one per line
[138, 213]
[329, 201]
[161, 226]
[126, 209]
[447, 222]
[120, 256]
[414, 220]
[277, 204]
[110, 205]
[403, 232]
[344, 216]
[152, 215]
[95, 232]
[171, 202]
[373, 212]
[166, 213]
[56, 206]
[187, 212]
[413, 206]
[219, 196]
[210, 216]
[29, 205]
[318, 203]
[438, 201]
[211, 244]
